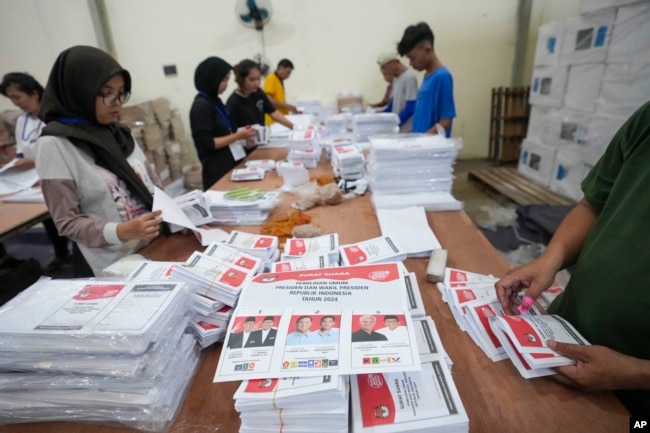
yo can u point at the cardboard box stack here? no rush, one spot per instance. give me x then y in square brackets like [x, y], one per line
[160, 132]
[591, 73]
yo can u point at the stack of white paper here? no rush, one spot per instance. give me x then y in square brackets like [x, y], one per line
[347, 162]
[14, 179]
[308, 158]
[367, 125]
[525, 340]
[264, 164]
[248, 173]
[305, 404]
[418, 401]
[431, 201]
[410, 229]
[338, 125]
[411, 163]
[250, 210]
[29, 195]
[297, 248]
[96, 351]
[212, 277]
[377, 250]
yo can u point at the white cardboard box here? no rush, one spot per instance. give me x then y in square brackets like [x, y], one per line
[586, 38]
[631, 36]
[583, 86]
[624, 89]
[548, 86]
[536, 161]
[568, 172]
[549, 44]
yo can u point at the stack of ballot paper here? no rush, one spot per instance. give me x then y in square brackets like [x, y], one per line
[367, 125]
[297, 248]
[241, 206]
[207, 333]
[96, 351]
[328, 144]
[525, 338]
[300, 404]
[411, 163]
[304, 140]
[309, 158]
[434, 201]
[248, 173]
[472, 299]
[264, 164]
[195, 205]
[213, 277]
[309, 262]
[262, 246]
[347, 162]
[422, 401]
[338, 125]
[377, 250]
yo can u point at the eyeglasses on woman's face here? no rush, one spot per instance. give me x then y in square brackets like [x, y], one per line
[110, 99]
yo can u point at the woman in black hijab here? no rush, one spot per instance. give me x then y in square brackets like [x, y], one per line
[95, 179]
[218, 143]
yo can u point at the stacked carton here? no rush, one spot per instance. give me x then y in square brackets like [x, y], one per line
[160, 132]
[591, 73]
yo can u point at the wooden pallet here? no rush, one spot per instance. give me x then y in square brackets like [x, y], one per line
[509, 183]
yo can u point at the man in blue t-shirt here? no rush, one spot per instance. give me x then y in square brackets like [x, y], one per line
[434, 106]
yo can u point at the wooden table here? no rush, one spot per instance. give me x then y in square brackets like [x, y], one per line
[15, 218]
[495, 396]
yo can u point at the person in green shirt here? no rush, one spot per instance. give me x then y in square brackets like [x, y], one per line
[607, 298]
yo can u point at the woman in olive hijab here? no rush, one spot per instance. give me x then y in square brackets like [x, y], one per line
[95, 179]
[218, 143]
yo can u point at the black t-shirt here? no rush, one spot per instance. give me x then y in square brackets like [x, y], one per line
[206, 124]
[249, 110]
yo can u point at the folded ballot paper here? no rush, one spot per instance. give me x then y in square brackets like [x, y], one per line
[297, 248]
[241, 206]
[377, 250]
[525, 338]
[309, 262]
[195, 206]
[410, 229]
[422, 401]
[262, 246]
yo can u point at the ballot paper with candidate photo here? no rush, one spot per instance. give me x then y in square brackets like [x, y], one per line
[418, 401]
[319, 330]
[525, 338]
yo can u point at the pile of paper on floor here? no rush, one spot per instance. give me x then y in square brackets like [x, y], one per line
[524, 338]
[472, 299]
[367, 125]
[96, 351]
[377, 250]
[411, 163]
[298, 248]
[241, 206]
[305, 404]
[347, 162]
